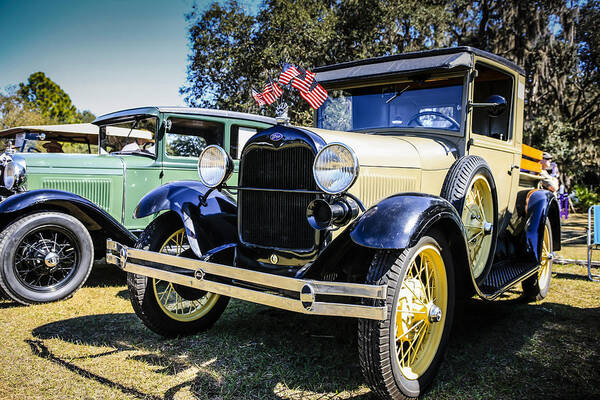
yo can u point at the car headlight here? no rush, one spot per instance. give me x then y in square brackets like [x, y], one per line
[13, 175]
[8, 175]
[214, 166]
[335, 168]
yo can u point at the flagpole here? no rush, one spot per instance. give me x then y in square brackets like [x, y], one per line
[273, 87]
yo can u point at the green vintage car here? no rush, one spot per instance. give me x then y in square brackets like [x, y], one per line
[58, 209]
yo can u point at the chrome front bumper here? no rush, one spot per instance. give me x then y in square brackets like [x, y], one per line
[299, 295]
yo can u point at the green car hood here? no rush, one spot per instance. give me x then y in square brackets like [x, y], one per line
[76, 163]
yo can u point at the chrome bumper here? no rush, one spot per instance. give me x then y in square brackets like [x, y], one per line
[299, 295]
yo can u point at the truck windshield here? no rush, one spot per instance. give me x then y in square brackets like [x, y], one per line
[129, 137]
[432, 104]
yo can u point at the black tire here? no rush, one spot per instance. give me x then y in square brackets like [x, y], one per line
[25, 275]
[377, 339]
[455, 188]
[142, 293]
[533, 288]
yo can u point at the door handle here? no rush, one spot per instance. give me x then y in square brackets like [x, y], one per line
[514, 166]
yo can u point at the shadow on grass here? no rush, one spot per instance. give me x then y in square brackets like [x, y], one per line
[106, 275]
[566, 275]
[502, 349]
[511, 349]
[251, 351]
[102, 275]
[5, 303]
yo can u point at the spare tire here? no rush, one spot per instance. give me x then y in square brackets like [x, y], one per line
[471, 189]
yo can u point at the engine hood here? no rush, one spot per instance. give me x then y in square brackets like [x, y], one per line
[60, 161]
[406, 151]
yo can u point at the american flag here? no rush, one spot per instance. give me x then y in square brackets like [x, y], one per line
[271, 92]
[304, 84]
[258, 96]
[315, 97]
[288, 72]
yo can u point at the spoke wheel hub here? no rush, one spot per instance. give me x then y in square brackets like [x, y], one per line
[434, 313]
[51, 259]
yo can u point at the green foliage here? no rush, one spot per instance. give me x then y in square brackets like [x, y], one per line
[43, 94]
[86, 116]
[40, 101]
[557, 42]
[15, 112]
[586, 198]
[185, 146]
[232, 51]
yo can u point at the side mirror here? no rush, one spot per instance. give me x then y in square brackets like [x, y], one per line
[495, 104]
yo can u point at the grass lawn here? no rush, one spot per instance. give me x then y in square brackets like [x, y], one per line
[93, 346]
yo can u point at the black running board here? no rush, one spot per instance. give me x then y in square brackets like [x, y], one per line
[505, 274]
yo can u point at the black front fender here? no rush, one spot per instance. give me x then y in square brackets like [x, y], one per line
[211, 214]
[97, 221]
[398, 222]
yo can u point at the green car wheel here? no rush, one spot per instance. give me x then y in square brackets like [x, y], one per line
[44, 257]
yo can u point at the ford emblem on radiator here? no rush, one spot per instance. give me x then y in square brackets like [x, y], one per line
[276, 136]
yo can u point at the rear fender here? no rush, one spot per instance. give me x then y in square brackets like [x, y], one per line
[204, 212]
[98, 222]
[540, 206]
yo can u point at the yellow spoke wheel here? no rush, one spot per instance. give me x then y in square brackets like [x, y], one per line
[400, 355]
[536, 287]
[477, 218]
[421, 312]
[546, 264]
[470, 187]
[167, 297]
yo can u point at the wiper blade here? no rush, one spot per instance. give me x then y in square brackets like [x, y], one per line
[397, 94]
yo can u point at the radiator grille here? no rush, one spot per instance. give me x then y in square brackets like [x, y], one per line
[93, 189]
[277, 219]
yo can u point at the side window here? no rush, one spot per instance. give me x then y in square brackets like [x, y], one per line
[238, 139]
[188, 137]
[490, 82]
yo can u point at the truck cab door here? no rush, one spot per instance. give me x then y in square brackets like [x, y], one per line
[493, 137]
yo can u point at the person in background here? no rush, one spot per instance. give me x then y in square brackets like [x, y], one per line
[552, 166]
[53, 147]
[140, 144]
[549, 175]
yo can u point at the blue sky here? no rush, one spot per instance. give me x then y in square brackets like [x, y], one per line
[107, 55]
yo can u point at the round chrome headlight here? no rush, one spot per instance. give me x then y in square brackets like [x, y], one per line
[9, 176]
[214, 166]
[335, 168]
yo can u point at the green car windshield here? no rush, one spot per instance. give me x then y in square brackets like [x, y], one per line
[130, 137]
[432, 105]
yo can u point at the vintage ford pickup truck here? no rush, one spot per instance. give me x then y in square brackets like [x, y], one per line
[407, 195]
